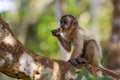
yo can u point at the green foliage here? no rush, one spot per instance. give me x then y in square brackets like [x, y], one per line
[77, 7]
[105, 19]
[45, 42]
[88, 76]
[105, 78]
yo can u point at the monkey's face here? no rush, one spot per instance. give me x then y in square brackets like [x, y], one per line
[67, 22]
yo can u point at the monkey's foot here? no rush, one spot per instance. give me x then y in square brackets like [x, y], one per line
[80, 60]
[73, 62]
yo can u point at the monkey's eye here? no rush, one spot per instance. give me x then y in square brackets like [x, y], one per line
[64, 22]
[75, 23]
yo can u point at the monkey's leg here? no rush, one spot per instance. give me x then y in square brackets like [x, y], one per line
[91, 54]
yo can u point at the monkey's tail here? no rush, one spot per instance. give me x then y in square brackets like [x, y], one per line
[112, 73]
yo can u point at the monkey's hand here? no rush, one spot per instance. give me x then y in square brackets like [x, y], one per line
[56, 32]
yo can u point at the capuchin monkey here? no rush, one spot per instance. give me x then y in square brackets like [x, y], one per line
[86, 48]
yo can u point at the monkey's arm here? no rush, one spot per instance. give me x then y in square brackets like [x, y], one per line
[78, 48]
[77, 54]
[66, 44]
[76, 57]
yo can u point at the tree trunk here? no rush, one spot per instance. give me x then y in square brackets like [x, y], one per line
[114, 57]
[115, 36]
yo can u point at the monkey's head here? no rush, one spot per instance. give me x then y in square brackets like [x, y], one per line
[67, 22]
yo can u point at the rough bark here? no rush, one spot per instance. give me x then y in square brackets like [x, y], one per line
[19, 62]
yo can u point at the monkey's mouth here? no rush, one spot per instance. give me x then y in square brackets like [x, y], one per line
[63, 28]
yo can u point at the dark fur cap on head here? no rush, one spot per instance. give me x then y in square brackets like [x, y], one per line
[68, 16]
